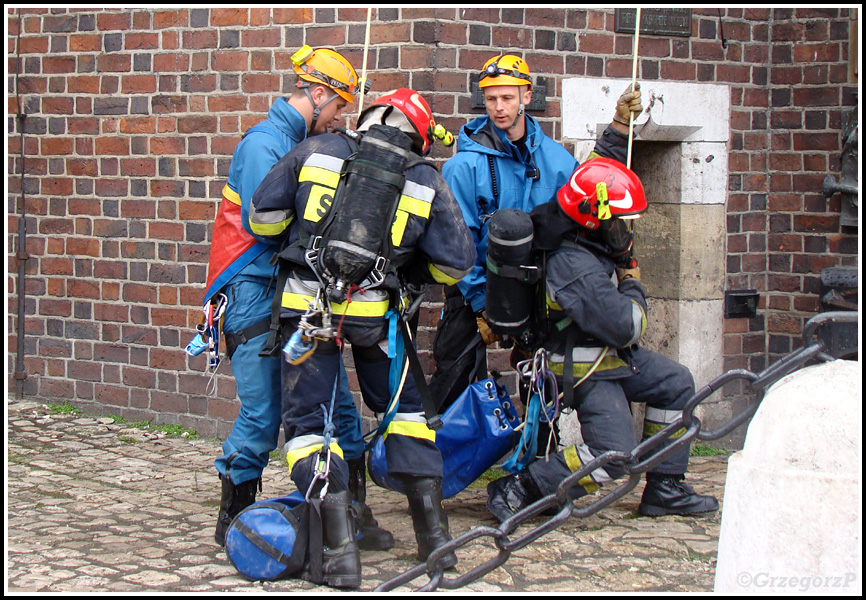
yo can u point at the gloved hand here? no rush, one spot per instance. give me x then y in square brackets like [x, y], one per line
[629, 102]
[627, 273]
[484, 329]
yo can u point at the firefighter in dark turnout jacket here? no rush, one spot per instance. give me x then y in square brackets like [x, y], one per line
[240, 268]
[429, 243]
[597, 315]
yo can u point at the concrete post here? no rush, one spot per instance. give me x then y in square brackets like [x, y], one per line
[791, 520]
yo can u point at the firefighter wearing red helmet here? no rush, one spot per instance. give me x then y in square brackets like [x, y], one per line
[303, 203]
[598, 312]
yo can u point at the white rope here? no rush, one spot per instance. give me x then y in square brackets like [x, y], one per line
[633, 81]
[363, 82]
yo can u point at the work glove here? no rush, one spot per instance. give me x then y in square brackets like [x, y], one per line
[629, 102]
[623, 273]
[484, 329]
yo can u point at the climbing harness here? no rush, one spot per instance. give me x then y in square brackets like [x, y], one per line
[543, 406]
[208, 337]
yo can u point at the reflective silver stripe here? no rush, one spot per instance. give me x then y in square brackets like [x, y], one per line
[503, 242]
[387, 146]
[582, 355]
[302, 442]
[419, 192]
[331, 163]
[658, 415]
[414, 417]
[305, 287]
[353, 248]
[637, 317]
[599, 475]
[270, 217]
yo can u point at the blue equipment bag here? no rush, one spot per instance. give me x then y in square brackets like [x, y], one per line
[268, 539]
[477, 431]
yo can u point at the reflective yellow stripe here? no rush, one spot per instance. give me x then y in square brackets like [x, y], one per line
[319, 175]
[270, 229]
[399, 227]
[231, 195]
[294, 456]
[551, 303]
[355, 308]
[441, 277]
[410, 429]
[650, 429]
[319, 200]
[573, 462]
[581, 369]
[414, 206]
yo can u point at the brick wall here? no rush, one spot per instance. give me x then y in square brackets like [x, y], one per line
[132, 116]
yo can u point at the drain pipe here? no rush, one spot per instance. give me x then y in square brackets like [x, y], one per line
[21, 255]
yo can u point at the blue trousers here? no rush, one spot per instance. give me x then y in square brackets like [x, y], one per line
[256, 429]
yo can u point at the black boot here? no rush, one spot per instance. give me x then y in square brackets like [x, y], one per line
[373, 537]
[428, 517]
[510, 494]
[341, 560]
[234, 499]
[670, 495]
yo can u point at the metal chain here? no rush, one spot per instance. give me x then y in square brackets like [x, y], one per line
[641, 459]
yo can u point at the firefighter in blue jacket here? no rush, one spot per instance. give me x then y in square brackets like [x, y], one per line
[240, 269]
[503, 160]
[429, 243]
[596, 315]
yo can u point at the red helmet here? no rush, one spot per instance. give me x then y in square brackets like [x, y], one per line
[410, 103]
[601, 189]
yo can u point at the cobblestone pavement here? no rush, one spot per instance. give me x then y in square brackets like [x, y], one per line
[95, 506]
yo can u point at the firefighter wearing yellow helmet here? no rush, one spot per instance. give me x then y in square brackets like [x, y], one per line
[503, 160]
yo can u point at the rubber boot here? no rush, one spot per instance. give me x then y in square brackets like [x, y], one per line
[372, 537]
[234, 499]
[510, 494]
[670, 495]
[341, 561]
[428, 517]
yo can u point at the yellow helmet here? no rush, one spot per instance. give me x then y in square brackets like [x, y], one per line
[326, 67]
[505, 69]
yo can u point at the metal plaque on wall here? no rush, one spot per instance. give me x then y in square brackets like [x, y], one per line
[655, 21]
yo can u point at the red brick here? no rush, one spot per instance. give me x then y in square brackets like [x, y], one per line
[114, 63]
[138, 167]
[54, 146]
[111, 21]
[173, 18]
[112, 146]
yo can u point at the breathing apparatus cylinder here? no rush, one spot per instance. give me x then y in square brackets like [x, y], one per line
[357, 239]
[511, 272]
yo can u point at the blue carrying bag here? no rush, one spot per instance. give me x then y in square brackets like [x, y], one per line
[478, 430]
[268, 539]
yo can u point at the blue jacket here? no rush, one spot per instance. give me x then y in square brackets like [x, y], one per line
[468, 176]
[235, 250]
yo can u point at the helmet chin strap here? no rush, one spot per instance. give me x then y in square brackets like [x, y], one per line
[316, 109]
[517, 118]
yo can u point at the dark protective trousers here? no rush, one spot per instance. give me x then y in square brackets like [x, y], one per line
[307, 388]
[606, 422]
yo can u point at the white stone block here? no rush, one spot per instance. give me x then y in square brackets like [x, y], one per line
[673, 111]
[792, 517]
